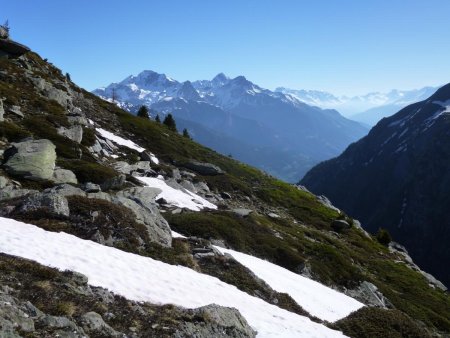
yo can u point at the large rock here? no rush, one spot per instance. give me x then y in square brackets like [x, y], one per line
[32, 159]
[141, 200]
[206, 169]
[52, 202]
[92, 322]
[369, 294]
[219, 322]
[66, 190]
[64, 176]
[74, 133]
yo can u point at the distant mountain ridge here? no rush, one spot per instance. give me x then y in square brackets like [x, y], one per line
[368, 108]
[397, 177]
[262, 121]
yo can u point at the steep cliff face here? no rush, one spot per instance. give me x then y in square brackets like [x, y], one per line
[398, 177]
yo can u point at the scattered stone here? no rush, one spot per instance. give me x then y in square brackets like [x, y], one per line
[339, 225]
[222, 322]
[188, 185]
[74, 133]
[92, 321]
[54, 203]
[64, 176]
[325, 201]
[32, 159]
[242, 212]
[115, 183]
[66, 190]
[161, 201]
[206, 169]
[225, 195]
[91, 187]
[2, 109]
[273, 215]
[176, 174]
[16, 111]
[368, 294]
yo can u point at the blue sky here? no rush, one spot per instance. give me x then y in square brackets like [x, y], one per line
[343, 46]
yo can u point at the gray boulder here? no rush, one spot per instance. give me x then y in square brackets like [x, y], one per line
[66, 190]
[64, 176]
[54, 203]
[219, 322]
[74, 133]
[339, 225]
[91, 187]
[369, 294]
[141, 200]
[141, 167]
[33, 159]
[116, 182]
[242, 212]
[206, 169]
[93, 322]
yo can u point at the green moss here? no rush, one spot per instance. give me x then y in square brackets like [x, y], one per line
[89, 171]
[370, 322]
[88, 137]
[12, 132]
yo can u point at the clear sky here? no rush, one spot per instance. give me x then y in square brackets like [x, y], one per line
[343, 46]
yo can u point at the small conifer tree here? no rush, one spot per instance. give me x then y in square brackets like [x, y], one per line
[186, 133]
[169, 121]
[157, 119]
[143, 112]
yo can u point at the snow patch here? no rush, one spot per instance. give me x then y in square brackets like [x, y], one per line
[319, 300]
[119, 140]
[178, 198]
[141, 278]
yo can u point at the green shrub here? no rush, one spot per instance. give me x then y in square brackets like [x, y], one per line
[374, 322]
[383, 236]
[12, 132]
[88, 137]
[89, 171]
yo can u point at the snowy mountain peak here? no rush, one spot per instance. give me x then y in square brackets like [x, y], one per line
[220, 79]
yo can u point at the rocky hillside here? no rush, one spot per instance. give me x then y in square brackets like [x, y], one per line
[76, 168]
[397, 178]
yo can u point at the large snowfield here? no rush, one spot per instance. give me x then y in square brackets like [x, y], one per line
[144, 279]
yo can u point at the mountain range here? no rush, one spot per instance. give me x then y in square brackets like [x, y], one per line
[272, 130]
[369, 108]
[397, 177]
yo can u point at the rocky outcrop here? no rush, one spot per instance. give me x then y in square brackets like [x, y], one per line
[369, 294]
[222, 322]
[206, 169]
[32, 159]
[74, 133]
[141, 200]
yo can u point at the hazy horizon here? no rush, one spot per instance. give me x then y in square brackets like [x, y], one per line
[346, 48]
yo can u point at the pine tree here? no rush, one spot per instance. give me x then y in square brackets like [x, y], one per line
[186, 133]
[143, 112]
[170, 122]
[157, 119]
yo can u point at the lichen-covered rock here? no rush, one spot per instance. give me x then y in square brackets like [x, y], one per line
[206, 169]
[52, 202]
[66, 190]
[32, 159]
[64, 176]
[221, 322]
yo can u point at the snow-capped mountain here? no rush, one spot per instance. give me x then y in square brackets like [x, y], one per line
[368, 108]
[263, 121]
